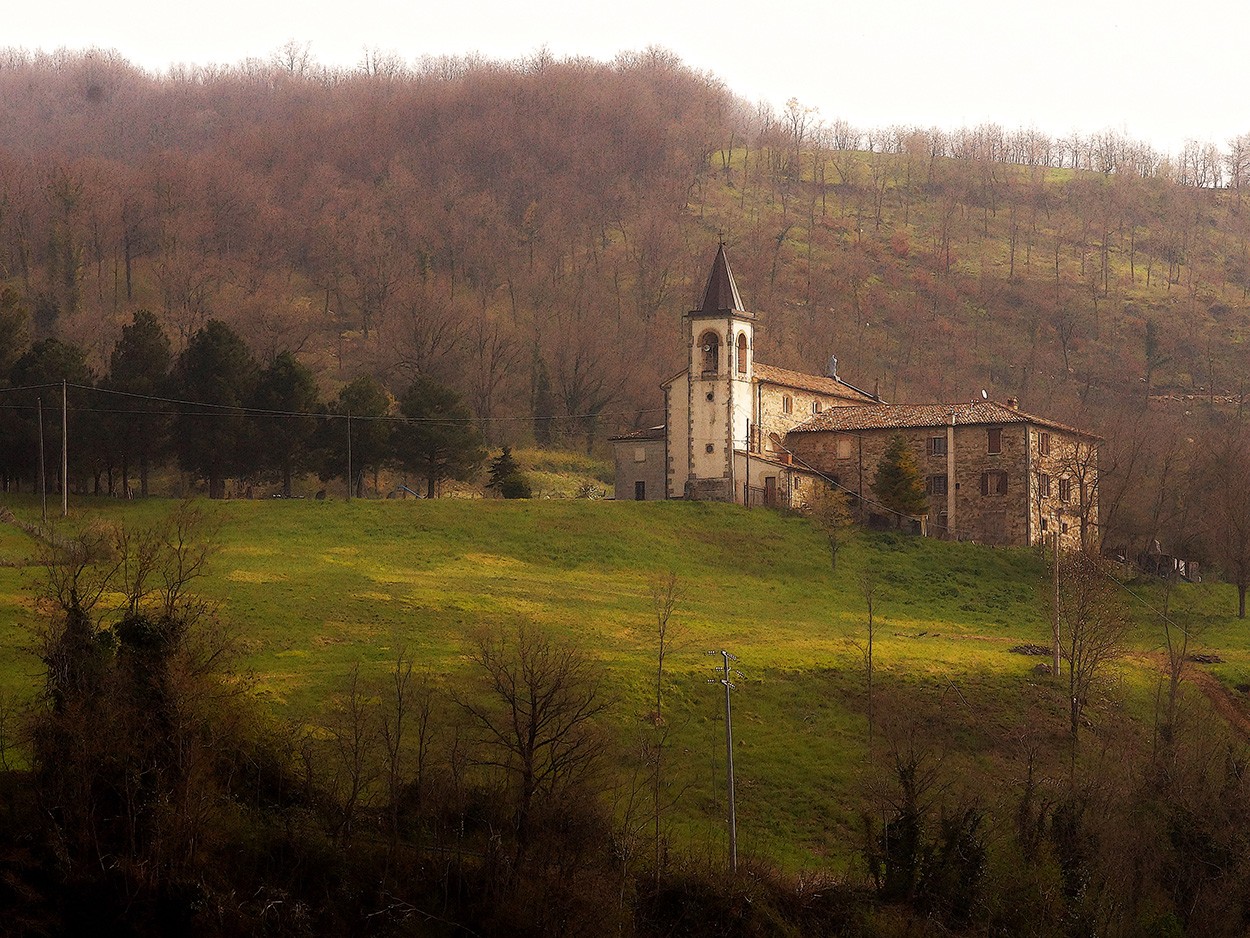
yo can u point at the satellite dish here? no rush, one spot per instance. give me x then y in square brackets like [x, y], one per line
[984, 396]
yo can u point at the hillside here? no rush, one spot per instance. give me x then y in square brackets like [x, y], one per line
[530, 232]
[313, 587]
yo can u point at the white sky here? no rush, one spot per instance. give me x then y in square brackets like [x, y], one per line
[1159, 70]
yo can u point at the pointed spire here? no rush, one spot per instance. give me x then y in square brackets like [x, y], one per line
[721, 293]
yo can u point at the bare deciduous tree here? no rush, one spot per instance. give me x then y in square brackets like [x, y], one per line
[664, 596]
[1226, 480]
[1092, 625]
[536, 713]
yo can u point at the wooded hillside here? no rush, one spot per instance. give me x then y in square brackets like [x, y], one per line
[529, 232]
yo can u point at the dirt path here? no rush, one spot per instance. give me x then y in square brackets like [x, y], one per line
[1227, 703]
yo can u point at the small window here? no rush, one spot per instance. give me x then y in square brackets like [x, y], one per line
[994, 440]
[1043, 524]
[1043, 485]
[845, 447]
[640, 454]
[994, 482]
[1065, 490]
[787, 404]
[937, 446]
[1063, 527]
[936, 485]
[1043, 444]
[710, 448]
[815, 407]
[742, 353]
[640, 491]
[943, 520]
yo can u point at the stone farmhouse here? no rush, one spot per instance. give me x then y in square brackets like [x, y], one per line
[739, 430]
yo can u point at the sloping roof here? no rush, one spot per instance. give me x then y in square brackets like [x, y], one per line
[820, 384]
[903, 416]
[784, 377]
[646, 433]
[721, 293]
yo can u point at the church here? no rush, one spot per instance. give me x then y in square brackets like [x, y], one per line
[738, 430]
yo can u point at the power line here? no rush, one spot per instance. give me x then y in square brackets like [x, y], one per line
[236, 410]
[31, 387]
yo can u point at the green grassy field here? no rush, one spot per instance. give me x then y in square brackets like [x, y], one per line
[313, 587]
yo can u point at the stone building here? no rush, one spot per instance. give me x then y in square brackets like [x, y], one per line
[724, 411]
[743, 431]
[641, 464]
[993, 473]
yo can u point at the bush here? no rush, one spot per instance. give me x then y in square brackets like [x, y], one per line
[515, 485]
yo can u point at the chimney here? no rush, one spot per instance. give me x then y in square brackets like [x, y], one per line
[1013, 403]
[832, 370]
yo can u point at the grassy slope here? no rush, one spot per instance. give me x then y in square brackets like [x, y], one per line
[314, 586]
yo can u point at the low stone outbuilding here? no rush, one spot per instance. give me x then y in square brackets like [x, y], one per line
[641, 461]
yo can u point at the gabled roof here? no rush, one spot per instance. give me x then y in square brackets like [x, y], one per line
[646, 433]
[721, 293]
[905, 416]
[783, 377]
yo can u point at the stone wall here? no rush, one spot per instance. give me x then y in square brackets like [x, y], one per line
[964, 512]
[640, 461]
[771, 414]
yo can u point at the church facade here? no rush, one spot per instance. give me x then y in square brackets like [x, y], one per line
[739, 430]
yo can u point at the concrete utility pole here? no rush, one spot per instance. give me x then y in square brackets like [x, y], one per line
[746, 486]
[43, 474]
[64, 453]
[1054, 550]
[729, 756]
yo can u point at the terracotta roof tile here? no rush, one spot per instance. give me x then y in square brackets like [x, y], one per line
[646, 433]
[817, 383]
[902, 416]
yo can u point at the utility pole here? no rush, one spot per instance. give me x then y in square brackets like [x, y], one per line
[43, 474]
[1054, 550]
[746, 486]
[729, 755]
[64, 453]
[351, 479]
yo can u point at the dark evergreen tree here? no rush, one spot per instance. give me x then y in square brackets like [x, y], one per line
[14, 319]
[47, 363]
[139, 366]
[366, 402]
[501, 467]
[438, 440]
[284, 442]
[898, 485]
[506, 477]
[215, 376]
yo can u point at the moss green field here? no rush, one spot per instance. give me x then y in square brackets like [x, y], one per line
[312, 587]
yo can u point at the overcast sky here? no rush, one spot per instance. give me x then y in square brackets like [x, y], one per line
[1159, 71]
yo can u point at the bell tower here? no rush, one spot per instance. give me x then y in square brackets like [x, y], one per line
[720, 337]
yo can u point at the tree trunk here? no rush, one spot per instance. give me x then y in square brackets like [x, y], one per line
[1241, 600]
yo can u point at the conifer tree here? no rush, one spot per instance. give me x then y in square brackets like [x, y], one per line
[899, 485]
